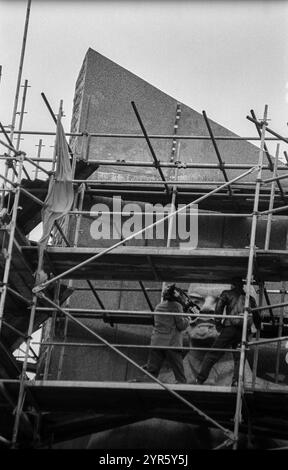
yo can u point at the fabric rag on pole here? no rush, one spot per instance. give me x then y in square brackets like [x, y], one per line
[60, 194]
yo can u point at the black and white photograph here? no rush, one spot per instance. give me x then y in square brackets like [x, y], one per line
[144, 228]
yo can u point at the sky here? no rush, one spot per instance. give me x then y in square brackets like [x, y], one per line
[222, 57]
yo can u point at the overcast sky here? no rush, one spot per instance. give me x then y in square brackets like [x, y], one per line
[224, 57]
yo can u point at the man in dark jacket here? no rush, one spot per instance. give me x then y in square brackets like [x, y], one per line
[167, 331]
[231, 329]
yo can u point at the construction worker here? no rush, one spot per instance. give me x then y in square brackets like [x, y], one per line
[230, 329]
[167, 331]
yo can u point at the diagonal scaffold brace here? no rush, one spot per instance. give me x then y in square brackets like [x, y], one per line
[152, 151]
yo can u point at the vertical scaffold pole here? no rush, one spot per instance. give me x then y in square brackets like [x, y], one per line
[173, 208]
[40, 146]
[175, 151]
[11, 240]
[49, 350]
[267, 243]
[271, 201]
[21, 395]
[14, 112]
[20, 68]
[256, 349]
[240, 389]
[21, 114]
[280, 330]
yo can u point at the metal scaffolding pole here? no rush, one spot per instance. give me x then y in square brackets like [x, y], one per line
[151, 182]
[280, 331]
[20, 69]
[40, 146]
[21, 394]
[11, 241]
[30, 160]
[12, 328]
[124, 289]
[271, 202]
[182, 165]
[128, 214]
[22, 112]
[221, 165]
[267, 341]
[256, 351]
[156, 161]
[268, 228]
[49, 350]
[275, 134]
[134, 346]
[274, 211]
[9, 162]
[175, 132]
[240, 389]
[172, 209]
[151, 136]
[140, 163]
[275, 178]
[259, 309]
[19, 77]
[95, 312]
[268, 157]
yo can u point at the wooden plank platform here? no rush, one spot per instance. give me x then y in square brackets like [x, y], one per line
[163, 264]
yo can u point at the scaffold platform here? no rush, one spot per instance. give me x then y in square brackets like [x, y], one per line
[161, 264]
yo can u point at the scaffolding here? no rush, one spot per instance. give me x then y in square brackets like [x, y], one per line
[27, 399]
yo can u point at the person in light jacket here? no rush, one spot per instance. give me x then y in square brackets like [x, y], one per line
[168, 331]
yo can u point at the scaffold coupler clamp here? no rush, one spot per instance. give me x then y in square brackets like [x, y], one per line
[230, 435]
[222, 165]
[157, 164]
[180, 164]
[2, 285]
[38, 290]
[20, 155]
[174, 189]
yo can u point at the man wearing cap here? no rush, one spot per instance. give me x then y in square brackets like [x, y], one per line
[231, 329]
